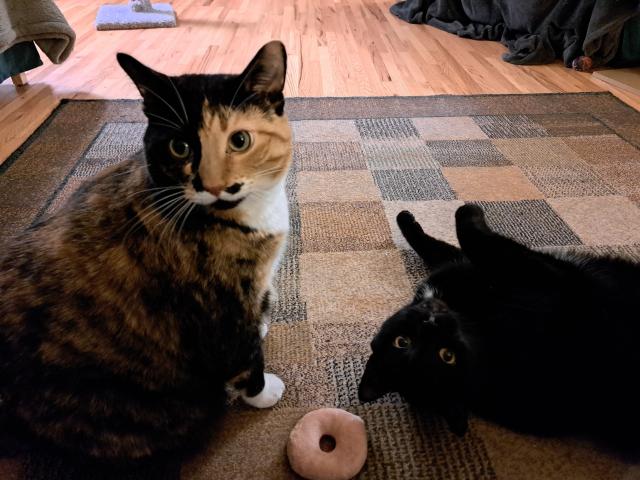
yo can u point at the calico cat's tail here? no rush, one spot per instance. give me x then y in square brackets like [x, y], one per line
[434, 252]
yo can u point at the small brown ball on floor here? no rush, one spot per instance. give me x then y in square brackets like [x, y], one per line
[328, 444]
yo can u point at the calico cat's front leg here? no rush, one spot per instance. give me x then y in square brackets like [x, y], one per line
[267, 301]
[260, 389]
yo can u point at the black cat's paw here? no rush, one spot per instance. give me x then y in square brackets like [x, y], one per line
[471, 215]
[405, 219]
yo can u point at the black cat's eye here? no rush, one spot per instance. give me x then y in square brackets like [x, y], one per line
[179, 149]
[447, 356]
[402, 343]
[240, 141]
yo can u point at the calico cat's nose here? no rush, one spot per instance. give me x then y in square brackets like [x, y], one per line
[213, 189]
[216, 190]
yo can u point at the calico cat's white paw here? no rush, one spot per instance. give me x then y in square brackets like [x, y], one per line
[270, 394]
[264, 329]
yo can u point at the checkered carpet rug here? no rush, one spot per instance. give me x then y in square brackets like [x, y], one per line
[553, 171]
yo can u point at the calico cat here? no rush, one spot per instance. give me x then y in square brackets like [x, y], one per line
[541, 343]
[125, 316]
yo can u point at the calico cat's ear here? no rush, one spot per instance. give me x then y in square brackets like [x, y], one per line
[266, 73]
[457, 417]
[144, 77]
[159, 93]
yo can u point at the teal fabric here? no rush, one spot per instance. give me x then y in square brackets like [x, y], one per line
[629, 51]
[17, 59]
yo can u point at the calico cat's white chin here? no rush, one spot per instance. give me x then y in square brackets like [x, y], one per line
[202, 198]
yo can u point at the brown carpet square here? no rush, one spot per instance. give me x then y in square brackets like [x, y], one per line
[335, 227]
[509, 126]
[466, 153]
[603, 150]
[328, 156]
[412, 153]
[574, 181]
[570, 124]
[538, 152]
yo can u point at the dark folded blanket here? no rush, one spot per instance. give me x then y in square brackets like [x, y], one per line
[534, 31]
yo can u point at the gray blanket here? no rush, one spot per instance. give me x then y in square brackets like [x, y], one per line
[535, 31]
[37, 20]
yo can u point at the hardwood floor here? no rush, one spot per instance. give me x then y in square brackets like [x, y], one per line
[336, 48]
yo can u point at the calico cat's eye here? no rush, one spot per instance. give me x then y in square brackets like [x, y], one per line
[447, 356]
[402, 343]
[240, 141]
[179, 149]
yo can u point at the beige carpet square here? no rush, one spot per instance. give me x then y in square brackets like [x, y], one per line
[448, 128]
[435, 216]
[611, 220]
[353, 287]
[491, 183]
[337, 186]
[325, 131]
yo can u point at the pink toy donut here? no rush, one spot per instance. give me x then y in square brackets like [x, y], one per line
[328, 444]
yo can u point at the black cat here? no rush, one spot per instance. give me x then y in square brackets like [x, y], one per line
[540, 343]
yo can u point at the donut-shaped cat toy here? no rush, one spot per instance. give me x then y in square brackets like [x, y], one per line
[328, 444]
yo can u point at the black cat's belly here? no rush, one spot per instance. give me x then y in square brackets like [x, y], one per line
[539, 343]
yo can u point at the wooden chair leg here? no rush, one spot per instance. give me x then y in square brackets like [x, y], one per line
[20, 79]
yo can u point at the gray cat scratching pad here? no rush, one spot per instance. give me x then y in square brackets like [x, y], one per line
[123, 17]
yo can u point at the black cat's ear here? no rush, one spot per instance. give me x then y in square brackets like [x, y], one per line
[457, 417]
[266, 73]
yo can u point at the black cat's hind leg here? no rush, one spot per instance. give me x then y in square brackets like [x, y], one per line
[434, 252]
[495, 253]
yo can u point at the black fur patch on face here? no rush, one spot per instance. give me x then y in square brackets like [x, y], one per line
[174, 108]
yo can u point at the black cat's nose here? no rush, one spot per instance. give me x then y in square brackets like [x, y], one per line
[235, 188]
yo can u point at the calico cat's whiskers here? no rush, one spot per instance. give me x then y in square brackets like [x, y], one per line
[246, 99]
[267, 172]
[193, 205]
[166, 103]
[172, 216]
[180, 99]
[164, 119]
[129, 171]
[158, 190]
[153, 209]
[244, 79]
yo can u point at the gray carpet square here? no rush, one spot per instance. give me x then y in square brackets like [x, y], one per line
[422, 184]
